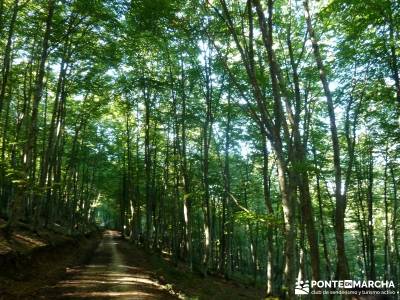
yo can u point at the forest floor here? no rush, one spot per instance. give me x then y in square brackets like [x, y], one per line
[118, 269]
[30, 260]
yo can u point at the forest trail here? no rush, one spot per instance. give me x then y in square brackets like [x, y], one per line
[111, 274]
[239, 144]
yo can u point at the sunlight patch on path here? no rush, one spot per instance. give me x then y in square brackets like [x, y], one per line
[107, 277]
[107, 294]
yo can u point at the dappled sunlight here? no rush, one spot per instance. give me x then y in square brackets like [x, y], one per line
[129, 267]
[112, 233]
[109, 294]
[112, 243]
[82, 283]
[115, 279]
[138, 279]
[107, 276]
[30, 240]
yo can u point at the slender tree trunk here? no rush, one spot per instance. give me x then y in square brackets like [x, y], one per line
[371, 245]
[342, 265]
[328, 265]
[5, 72]
[289, 227]
[224, 250]
[177, 169]
[270, 211]
[153, 190]
[1, 17]
[131, 197]
[138, 221]
[395, 253]
[393, 64]
[206, 146]
[6, 185]
[361, 220]
[387, 273]
[149, 212]
[187, 205]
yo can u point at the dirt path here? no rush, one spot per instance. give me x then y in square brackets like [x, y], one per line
[108, 276]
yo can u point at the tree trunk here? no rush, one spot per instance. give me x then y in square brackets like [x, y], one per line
[387, 274]
[149, 212]
[207, 128]
[187, 205]
[394, 238]
[371, 244]
[328, 266]
[5, 72]
[270, 211]
[30, 149]
[342, 265]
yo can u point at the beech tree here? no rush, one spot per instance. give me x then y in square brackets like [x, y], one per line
[256, 140]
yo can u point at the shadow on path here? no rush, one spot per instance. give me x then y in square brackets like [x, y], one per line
[108, 276]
